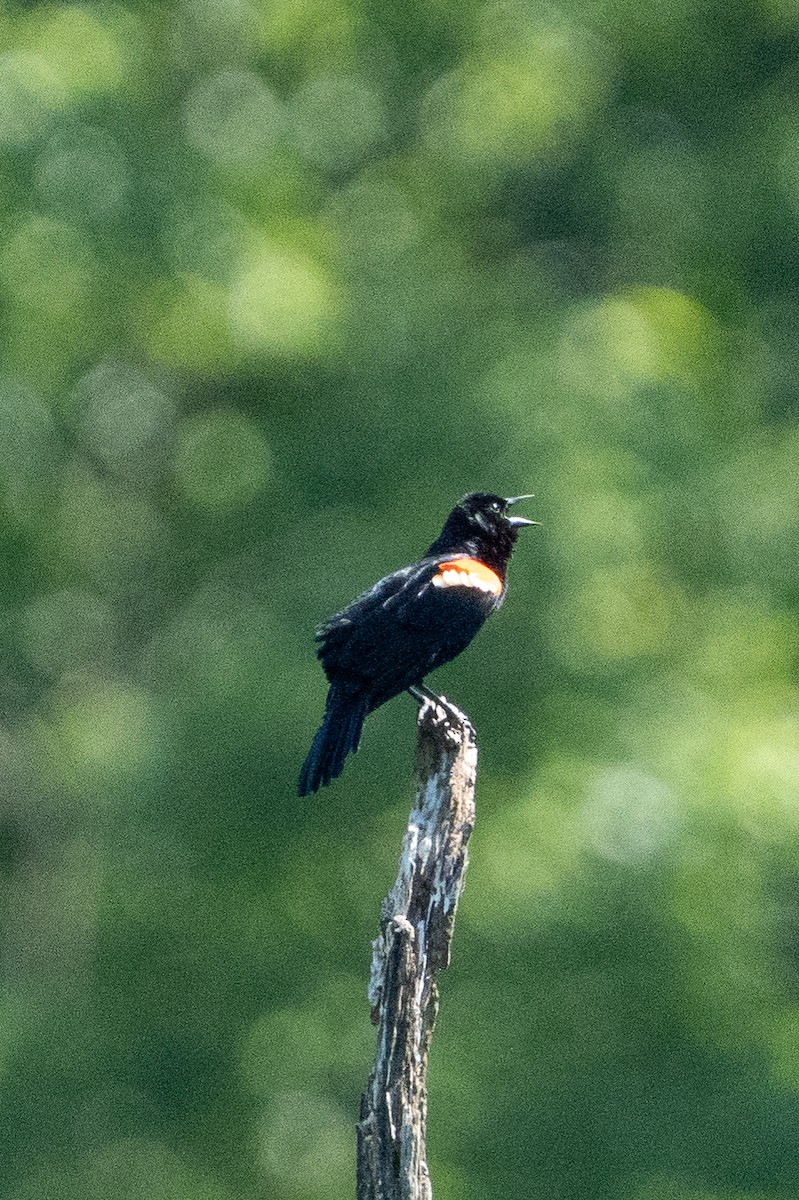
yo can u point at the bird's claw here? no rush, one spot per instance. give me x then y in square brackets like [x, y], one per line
[424, 695]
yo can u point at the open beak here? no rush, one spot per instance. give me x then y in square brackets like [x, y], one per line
[520, 522]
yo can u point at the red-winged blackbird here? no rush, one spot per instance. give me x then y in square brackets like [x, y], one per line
[412, 621]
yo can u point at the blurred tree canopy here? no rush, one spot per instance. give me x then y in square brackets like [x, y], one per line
[279, 281]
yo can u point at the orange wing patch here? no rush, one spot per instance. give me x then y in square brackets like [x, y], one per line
[468, 572]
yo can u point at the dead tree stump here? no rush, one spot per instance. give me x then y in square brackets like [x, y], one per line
[416, 927]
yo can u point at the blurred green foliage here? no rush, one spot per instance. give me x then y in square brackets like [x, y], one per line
[279, 281]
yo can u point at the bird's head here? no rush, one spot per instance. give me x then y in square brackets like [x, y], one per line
[480, 524]
[489, 513]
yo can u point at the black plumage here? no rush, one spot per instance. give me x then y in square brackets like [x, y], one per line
[409, 623]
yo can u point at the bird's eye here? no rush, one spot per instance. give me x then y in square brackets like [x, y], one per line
[496, 506]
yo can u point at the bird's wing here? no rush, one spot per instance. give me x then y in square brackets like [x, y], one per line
[354, 640]
[402, 626]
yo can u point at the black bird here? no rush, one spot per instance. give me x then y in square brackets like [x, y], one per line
[412, 621]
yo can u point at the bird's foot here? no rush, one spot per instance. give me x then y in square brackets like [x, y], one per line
[453, 714]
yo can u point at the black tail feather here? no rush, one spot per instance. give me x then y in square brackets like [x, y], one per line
[337, 736]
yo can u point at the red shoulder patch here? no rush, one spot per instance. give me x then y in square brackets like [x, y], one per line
[468, 572]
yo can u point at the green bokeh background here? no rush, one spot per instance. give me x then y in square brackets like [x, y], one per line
[279, 281]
